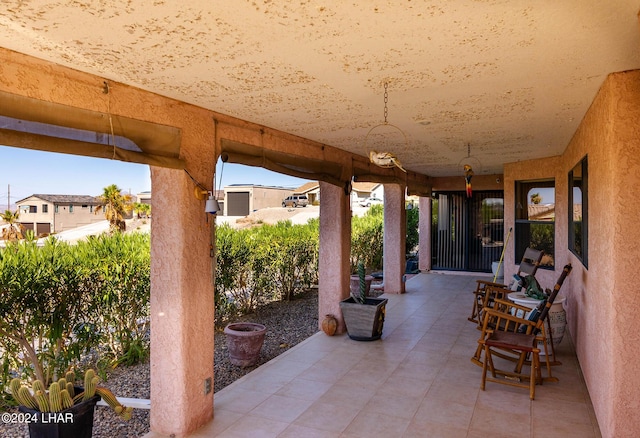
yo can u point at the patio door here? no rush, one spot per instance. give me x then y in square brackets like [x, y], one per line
[467, 233]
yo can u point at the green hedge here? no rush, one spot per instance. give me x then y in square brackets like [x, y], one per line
[59, 300]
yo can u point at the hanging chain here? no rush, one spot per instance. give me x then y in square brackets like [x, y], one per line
[386, 99]
[468, 150]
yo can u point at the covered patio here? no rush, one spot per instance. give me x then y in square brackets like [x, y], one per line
[416, 381]
[536, 93]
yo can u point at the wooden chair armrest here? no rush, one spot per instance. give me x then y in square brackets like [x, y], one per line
[507, 306]
[481, 284]
[504, 321]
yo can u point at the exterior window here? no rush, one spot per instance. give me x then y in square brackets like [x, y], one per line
[70, 208]
[85, 206]
[45, 208]
[55, 209]
[535, 219]
[578, 213]
[91, 209]
[33, 209]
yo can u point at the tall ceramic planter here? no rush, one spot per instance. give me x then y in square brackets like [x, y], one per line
[75, 422]
[244, 342]
[364, 321]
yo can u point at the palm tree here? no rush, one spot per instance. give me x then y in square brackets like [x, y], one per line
[13, 230]
[536, 198]
[142, 209]
[115, 206]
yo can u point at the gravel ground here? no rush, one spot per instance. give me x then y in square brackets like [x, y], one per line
[288, 323]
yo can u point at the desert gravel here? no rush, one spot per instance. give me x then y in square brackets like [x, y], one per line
[288, 323]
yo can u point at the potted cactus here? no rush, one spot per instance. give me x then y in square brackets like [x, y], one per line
[363, 315]
[65, 410]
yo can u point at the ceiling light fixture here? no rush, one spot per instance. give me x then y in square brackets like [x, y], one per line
[384, 159]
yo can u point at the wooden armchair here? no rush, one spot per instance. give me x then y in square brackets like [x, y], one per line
[528, 266]
[509, 336]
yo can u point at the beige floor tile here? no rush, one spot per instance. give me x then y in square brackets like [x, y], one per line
[223, 420]
[295, 431]
[445, 412]
[281, 408]
[250, 426]
[238, 400]
[416, 382]
[370, 425]
[388, 405]
[304, 389]
[332, 417]
[404, 387]
[419, 429]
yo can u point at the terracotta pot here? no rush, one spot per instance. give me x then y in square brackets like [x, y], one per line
[355, 284]
[244, 342]
[329, 325]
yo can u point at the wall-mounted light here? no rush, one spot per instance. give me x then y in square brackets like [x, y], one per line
[212, 206]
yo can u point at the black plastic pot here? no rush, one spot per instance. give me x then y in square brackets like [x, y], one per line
[75, 422]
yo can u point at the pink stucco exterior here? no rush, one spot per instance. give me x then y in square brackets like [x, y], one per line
[603, 302]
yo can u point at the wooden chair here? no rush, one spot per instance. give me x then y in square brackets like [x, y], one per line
[528, 266]
[504, 332]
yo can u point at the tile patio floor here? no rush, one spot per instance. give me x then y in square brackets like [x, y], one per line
[418, 381]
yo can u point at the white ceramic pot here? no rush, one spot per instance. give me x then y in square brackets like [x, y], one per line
[557, 315]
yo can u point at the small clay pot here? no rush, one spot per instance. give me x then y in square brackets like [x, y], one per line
[329, 324]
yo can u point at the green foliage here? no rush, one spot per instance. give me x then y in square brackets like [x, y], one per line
[120, 275]
[258, 265]
[413, 238]
[367, 239]
[115, 206]
[41, 301]
[58, 301]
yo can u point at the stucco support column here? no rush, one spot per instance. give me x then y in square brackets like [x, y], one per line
[424, 229]
[395, 236]
[182, 306]
[335, 247]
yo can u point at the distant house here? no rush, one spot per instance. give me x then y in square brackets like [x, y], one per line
[242, 199]
[311, 189]
[363, 190]
[144, 198]
[45, 214]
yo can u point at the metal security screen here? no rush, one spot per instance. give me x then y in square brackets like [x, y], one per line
[468, 233]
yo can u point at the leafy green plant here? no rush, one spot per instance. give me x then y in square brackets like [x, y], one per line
[41, 301]
[367, 238]
[120, 275]
[59, 301]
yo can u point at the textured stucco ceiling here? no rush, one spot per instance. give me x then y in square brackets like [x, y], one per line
[508, 80]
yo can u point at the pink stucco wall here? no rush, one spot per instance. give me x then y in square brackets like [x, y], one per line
[602, 300]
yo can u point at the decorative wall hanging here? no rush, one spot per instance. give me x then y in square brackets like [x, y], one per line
[468, 169]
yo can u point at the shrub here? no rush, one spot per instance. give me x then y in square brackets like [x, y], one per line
[42, 301]
[120, 278]
[367, 239]
[59, 301]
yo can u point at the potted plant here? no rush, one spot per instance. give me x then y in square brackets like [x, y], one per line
[363, 316]
[46, 324]
[244, 342]
[65, 410]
